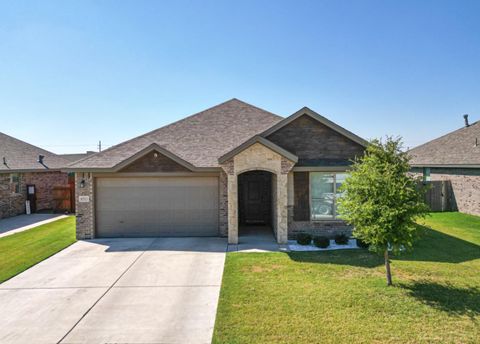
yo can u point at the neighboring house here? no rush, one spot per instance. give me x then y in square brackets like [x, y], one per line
[455, 158]
[216, 172]
[23, 164]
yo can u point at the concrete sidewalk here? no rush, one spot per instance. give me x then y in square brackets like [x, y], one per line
[143, 290]
[12, 225]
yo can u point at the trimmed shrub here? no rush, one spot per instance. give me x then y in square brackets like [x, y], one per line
[321, 241]
[362, 244]
[304, 238]
[341, 239]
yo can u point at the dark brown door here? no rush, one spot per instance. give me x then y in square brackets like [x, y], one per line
[255, 197]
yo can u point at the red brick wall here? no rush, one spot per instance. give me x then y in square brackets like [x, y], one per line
[44, 183]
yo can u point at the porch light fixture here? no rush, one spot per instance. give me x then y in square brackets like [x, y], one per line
[82, 183]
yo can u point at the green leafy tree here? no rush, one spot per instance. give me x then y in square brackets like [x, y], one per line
[382, 201]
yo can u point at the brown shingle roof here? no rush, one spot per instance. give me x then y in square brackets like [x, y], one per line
[455, 148]
[199, 139]
[22, 156]
[72, 157]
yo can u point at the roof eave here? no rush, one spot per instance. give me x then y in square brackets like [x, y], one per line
[139, 154]
[31, 170]
[447, 165]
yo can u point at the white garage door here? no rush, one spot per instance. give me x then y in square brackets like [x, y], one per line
[165, 206]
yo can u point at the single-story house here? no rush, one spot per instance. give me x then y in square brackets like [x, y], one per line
[454, 157]
[217, 172]
[27, 171]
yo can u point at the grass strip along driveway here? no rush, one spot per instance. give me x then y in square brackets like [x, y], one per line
[20, 251]
[341, 296]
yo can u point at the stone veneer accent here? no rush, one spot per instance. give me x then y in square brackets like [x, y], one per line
[85, 211]
[12, 204]
[258, 157]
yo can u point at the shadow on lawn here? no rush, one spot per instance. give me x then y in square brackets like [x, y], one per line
[450, 299]
[435, 246]
[359, 258]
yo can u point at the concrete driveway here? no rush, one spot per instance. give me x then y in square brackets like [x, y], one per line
[146, 290]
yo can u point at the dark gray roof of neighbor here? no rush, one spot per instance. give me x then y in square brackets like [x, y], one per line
[199, 139]
[458, 148]
[76, 156]
[21, 156]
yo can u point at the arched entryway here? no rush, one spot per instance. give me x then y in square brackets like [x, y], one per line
[256, 203]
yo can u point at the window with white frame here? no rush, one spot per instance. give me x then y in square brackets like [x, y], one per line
[324, 194]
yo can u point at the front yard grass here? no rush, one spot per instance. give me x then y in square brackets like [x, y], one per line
[342, 297]
[22, 250]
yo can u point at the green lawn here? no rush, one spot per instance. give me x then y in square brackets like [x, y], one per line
[20, 251]
[341, 296]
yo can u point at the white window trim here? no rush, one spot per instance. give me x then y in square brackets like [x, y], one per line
[334, 216]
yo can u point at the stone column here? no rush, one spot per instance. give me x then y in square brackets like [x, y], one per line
[282, 212]
[232, 209]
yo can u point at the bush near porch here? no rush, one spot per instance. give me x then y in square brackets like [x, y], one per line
[341, 296]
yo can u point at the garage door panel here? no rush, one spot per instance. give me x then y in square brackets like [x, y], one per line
[169, 206]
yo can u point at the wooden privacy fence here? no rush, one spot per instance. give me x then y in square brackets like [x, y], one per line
[439, 195]
[63, 199]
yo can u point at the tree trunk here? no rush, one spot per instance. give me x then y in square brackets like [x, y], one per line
[387, 268]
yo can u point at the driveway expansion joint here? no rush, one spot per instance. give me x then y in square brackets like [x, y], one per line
[105, 293]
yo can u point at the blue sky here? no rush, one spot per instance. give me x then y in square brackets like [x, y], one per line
[75, 72]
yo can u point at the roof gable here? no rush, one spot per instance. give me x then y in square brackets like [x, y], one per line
[319, 118]
[315, 143]
[153, 159]
[264, 142]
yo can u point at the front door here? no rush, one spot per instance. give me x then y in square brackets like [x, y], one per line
[255, 198]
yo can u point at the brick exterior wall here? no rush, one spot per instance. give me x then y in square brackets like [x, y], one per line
[12, 204]
[223, 204]
[85, 210]
[323, 228]
[44, 183]
[315, 144]
[465, 184]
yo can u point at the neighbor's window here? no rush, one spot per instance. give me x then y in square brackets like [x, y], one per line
[324, 193]
[15, 182]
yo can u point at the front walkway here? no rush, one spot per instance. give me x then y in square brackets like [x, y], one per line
[145, 290]
[12, 225]
[256, 239]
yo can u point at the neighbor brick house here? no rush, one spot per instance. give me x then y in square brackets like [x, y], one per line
[23, 164]
[454, 157]
[216, 173]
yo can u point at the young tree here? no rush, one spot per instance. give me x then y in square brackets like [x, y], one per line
[382, 201]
